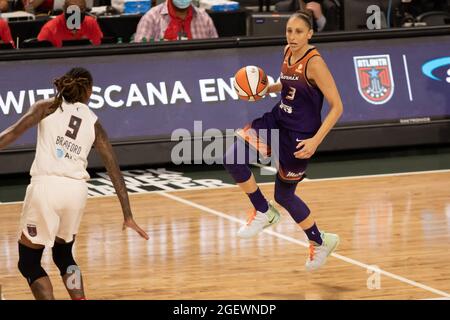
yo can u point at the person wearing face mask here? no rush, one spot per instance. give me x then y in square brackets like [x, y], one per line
[64, 26]
[175, 20]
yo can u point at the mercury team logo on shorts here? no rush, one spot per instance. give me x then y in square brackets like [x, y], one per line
[374, 75]
[32, 230]
[294, 175]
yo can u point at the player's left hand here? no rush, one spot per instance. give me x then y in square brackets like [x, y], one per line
[307, 148]
[130, 223]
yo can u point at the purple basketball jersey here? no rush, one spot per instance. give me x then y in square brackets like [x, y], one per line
[301, 102]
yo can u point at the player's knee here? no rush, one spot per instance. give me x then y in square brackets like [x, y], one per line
[286, 197]
[30, 263]
[284, 193]
[62, 256]
[283, 198]
[239, 172]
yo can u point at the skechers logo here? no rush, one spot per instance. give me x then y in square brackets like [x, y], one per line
[431, 66]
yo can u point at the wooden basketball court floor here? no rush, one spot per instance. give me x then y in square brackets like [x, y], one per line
[398, 223]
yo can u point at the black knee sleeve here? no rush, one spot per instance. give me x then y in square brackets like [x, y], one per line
[284, 192]
[286, 197]
[62, 256]
[236, 161]
[30, 263]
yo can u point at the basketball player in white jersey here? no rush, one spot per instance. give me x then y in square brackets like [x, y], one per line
[56, 197]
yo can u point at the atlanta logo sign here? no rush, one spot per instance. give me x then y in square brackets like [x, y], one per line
[374, 75]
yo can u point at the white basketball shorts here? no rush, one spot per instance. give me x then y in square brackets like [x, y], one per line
[53, 207]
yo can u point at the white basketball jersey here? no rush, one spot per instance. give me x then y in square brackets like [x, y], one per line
[64, 141]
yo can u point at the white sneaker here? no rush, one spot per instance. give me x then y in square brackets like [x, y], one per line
[258, 221]
[318, 254]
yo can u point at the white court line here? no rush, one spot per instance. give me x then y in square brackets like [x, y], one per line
[304, 244]
[381, 175]
[231, 218]
[306, 180]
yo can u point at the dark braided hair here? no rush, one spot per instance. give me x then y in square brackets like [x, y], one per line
[304, 15]
[73, 86]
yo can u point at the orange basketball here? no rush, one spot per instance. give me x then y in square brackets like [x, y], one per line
[251, 83]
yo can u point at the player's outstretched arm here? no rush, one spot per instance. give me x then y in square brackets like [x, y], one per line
[108, 156]
[36, 113]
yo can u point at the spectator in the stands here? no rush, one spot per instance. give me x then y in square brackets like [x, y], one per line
[4, 5]
[38, 6]
[326, 13]
[175, 20]
[417, 7]
[406, 13]
[59, 29]
[5, 33]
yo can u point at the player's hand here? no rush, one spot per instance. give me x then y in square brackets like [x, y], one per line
[273, 88]
[130, 223]
[315, 8]
[307, 148]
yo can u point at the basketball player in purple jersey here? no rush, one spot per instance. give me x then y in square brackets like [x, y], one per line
[56, 197]
[304, 81]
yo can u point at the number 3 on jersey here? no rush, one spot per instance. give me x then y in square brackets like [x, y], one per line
[291, 93]
[74, 127]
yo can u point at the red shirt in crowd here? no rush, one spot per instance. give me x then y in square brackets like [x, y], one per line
[56, 31]
[5, 33]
